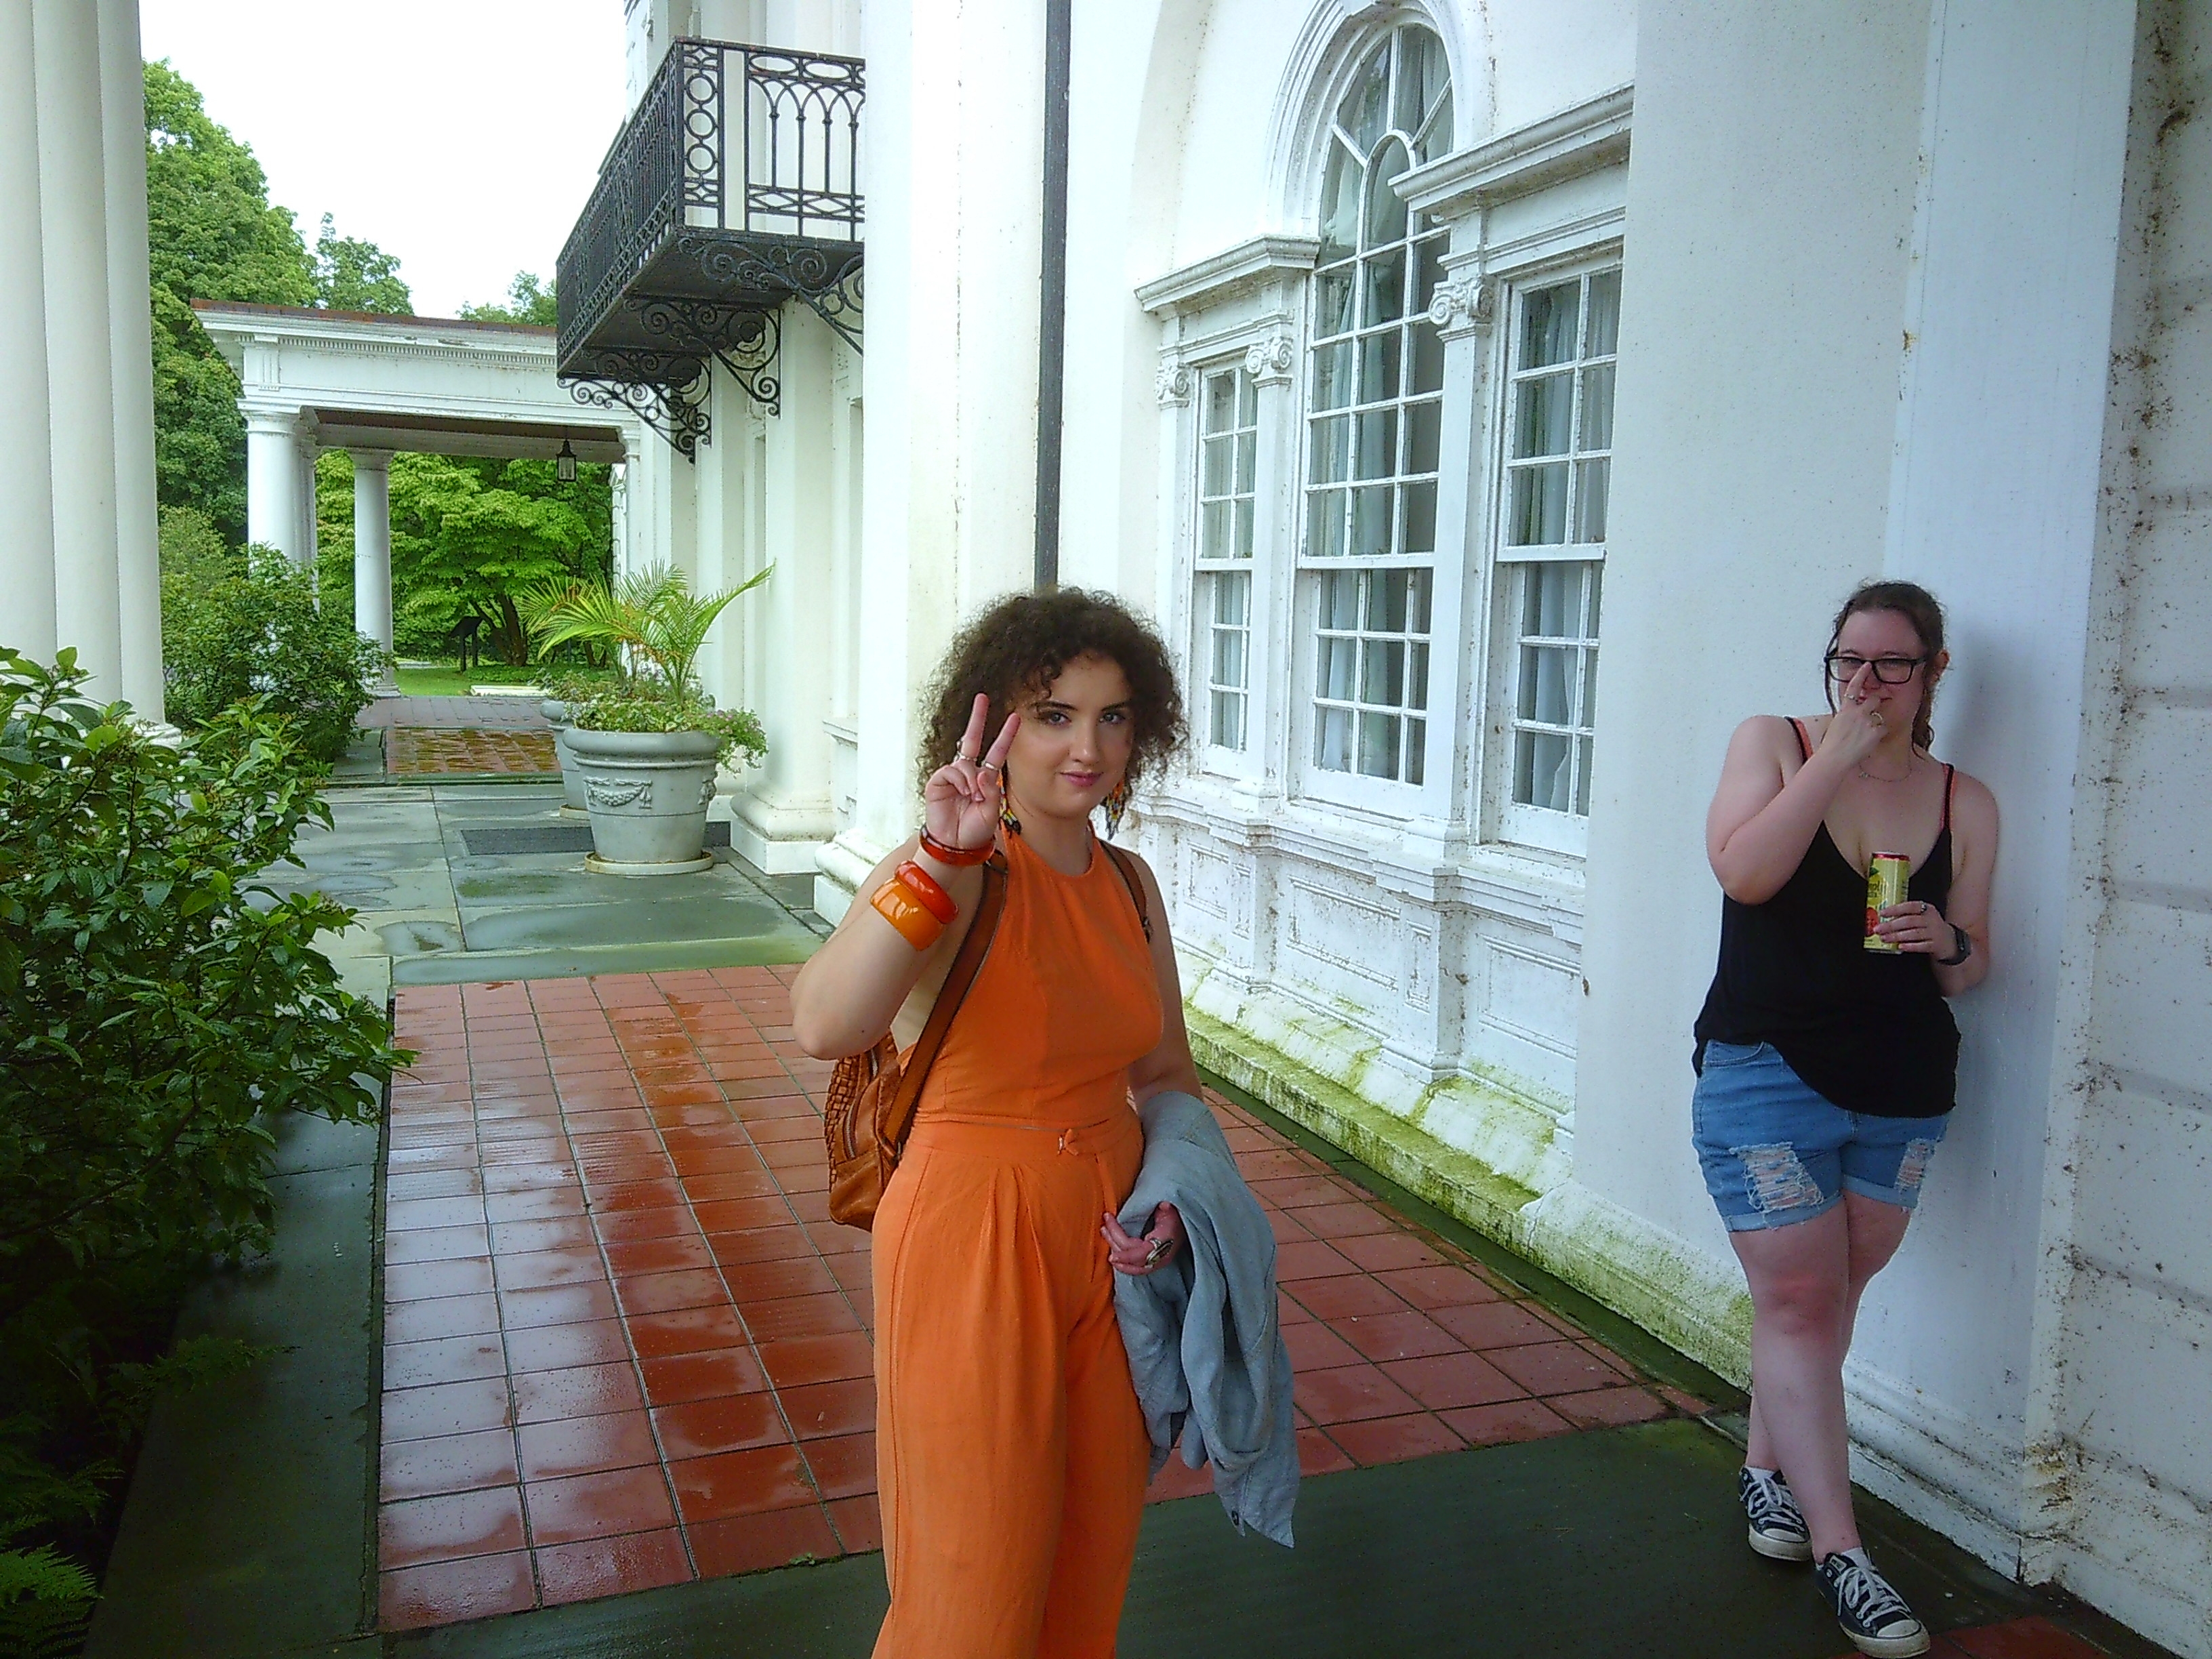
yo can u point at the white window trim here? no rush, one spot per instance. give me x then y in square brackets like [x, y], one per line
[1200, 643]
[1510, 822]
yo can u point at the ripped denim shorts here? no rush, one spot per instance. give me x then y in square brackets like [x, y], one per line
[1775, 1152]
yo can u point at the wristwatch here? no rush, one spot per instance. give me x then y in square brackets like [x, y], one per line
[1964, 940]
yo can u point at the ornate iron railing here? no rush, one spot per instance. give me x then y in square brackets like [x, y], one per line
[735, 187]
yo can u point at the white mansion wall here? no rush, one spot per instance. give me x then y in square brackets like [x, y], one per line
[2125, 1310]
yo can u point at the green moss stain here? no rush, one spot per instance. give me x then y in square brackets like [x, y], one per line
[1671, 1294]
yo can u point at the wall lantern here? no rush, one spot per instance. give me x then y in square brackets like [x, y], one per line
[564, 463]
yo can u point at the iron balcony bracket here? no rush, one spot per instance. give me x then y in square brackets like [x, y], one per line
[665, 390]
[743, 338]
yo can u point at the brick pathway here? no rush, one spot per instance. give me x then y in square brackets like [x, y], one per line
[625, 1347]
[415, 752]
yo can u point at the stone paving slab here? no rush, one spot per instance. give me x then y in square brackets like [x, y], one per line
[417, 751]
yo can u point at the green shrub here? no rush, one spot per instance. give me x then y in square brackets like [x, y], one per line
[637, 708]
[234, 630]
[159, 1008]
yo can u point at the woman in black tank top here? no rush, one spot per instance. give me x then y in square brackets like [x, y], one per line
[1826, 1069]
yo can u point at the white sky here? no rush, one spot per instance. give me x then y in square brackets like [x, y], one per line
[462, 135]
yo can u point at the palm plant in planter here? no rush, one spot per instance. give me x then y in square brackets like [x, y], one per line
[647, 746]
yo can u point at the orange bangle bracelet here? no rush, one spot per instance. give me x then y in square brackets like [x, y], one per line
[924, 886]
[955, 856]
[896, 904]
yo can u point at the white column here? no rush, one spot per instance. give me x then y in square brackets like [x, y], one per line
[955, 117]
[27, 486]
[137, 520]
[305, 452]
[782, 815]
[80, 366]
[272, 481]
[372, 555]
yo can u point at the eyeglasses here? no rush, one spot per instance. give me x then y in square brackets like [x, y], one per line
[1843, 667]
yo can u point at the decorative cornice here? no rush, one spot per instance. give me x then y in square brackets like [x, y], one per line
[1271, 362]
[1223, 276]
[1173, 384]
[1590, 135]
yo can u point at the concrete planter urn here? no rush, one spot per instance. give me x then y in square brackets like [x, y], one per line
[646, 793]
[572, 775]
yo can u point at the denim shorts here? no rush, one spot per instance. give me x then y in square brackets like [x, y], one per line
[1775, 1152]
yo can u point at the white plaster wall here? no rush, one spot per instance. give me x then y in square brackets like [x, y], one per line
[2125, 1302]
[1770, 203]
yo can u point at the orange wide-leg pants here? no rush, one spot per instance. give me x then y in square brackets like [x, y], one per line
[1012, 1457]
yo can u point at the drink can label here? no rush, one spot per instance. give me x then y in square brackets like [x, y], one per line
[1887, 875]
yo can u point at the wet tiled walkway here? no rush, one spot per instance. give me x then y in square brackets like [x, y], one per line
[625, 1347]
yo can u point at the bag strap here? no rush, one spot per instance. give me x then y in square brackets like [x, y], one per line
[966, 965]
[1128, 866]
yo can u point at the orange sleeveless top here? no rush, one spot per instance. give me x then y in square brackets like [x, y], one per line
[1064, 1002]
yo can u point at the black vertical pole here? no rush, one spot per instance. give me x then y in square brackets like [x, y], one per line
[1052, 309]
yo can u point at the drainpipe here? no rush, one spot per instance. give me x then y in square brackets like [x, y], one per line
[1052, 310]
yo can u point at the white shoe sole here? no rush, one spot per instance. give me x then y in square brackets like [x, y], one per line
[1898, 1647]
[1779, 1549]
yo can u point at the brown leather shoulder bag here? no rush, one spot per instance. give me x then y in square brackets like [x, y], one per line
[874, 1094]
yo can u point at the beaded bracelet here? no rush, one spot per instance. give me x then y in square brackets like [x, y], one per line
[896, 903]
[955, 856]
[923, 885]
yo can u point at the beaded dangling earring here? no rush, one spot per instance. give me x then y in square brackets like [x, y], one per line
[1006, 816]
[1116, 803]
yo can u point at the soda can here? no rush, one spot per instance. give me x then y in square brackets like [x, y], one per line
[1887, 875]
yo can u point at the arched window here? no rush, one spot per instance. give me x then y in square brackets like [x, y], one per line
[1374, 418]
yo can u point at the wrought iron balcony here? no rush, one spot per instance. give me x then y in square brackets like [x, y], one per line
[734, 189]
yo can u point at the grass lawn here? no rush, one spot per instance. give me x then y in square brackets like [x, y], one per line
[444, 680]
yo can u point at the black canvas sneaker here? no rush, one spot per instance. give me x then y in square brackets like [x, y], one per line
[1777, 1527]
[1872, 1614]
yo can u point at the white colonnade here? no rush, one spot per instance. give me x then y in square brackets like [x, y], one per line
[79, 554]
[372, 555]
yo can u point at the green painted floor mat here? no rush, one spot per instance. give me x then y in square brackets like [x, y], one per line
[1606, 1543]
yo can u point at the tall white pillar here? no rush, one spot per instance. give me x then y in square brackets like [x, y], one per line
[80, 364]
[956, 113]
[783, 814]
[272, 481]
[27, 484]
[372, 555]
[137, 519]
[304, 454]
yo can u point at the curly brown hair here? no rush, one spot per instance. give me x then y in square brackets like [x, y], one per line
[1018, 648]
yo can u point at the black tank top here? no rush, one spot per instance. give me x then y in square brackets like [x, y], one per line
[1869, 1031]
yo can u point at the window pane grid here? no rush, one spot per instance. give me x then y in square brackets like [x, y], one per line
[1228, 452]
[1225, 644]
[1371, 673]
[1374, 418]
[1560, 431]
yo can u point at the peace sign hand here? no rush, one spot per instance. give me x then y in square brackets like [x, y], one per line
[961, 802]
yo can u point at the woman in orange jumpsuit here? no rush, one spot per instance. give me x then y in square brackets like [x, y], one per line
[1012, 1457]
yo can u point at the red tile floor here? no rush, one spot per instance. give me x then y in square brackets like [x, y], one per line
[624, 1346]
[412, 751]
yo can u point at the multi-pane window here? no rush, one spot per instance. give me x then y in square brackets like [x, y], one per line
[1371, 674]
[1559, 462]
[1228, 441]
[1375, 415]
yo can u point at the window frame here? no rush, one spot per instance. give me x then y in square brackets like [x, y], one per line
[1426, 241]
[1205, 569]
[1513, 566]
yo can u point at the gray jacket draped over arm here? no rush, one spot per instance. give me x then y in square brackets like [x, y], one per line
[1205, 1349]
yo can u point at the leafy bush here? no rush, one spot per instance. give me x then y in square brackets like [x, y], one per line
[159, 1008]
[631, 708]
[232, 630]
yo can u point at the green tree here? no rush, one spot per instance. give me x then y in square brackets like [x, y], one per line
[213, 236]
[528, 300]
[356, 276]
[468, 536]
